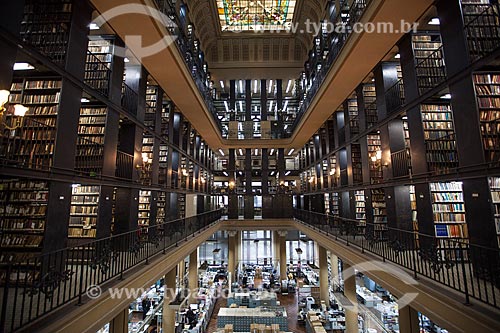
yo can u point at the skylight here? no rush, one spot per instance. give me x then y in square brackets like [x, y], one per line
[263, 15]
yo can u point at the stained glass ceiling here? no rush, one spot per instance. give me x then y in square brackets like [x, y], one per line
[263, 15]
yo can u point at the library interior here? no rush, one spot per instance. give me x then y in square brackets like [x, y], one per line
[272, 166]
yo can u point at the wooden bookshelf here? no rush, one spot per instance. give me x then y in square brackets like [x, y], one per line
[374, 150]
[334, 204]
[90, 145]
[429, 60]
[144, 209]
[333, 175]
[448, 208]
[414, 217]
[370, 100]
[488, 101]
[161, 213]
[379, 210]
[360, 206]
[357, 164]
[23, 212]
[495, 200]
[439, 133]
[84, 211]
[46, 25]
[33, 144]
[98, 63]
[181, 205]
[352, 109]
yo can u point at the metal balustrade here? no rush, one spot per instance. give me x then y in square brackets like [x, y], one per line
[97, 74]
[124, 165]
[470, 269]
[395, 97]
[41, 284]
[482, 29]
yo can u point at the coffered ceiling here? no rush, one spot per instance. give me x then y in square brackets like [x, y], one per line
[246, 53]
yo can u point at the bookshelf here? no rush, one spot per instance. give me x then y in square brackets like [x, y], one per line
[33, 144]
[370, 100]
[374, 153]
[325, 174]
[357, 164]
[413, 205]
[439, 133]
[181, 205]
[83, 211]
[448, 208]
[334, 204]
[333, 172]
[379, 213]
[352, 109]
[98, 63]
[488, 100]
[495, 200]
[429, 60]
[90, 145]
[147, 151]
[161, 205]
[144, 208]
[360, 206]
[23, 212]
[46, 25]
[326, 199]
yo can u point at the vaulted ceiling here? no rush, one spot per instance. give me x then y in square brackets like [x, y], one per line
[254, 54]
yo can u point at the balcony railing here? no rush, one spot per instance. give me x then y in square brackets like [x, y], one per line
[97, 74]
[124, 165]
[395, 97]
[472, 270]
[41, 284]
[130, 99]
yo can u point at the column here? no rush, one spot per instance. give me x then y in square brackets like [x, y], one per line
[408, 320]
[231, 253]
[168, 323]
[119, 324]
[334, 263]
[324, 288]
[193, 275]
[276, 247]
[283, 262]
[351, 312]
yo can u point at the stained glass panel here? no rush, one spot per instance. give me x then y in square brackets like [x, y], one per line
[263, 15]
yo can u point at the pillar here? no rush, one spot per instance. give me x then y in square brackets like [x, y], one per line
[282, 246]
[168, 322]
[231, 254]
[351, 312]
[408, 320]
[334, 262]
[324, 288]
[119, 324]
[193, 275]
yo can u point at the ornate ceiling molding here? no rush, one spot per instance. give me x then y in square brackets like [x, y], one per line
[248, 48]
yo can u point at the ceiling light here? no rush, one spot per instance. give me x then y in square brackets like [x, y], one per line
[256, 152]
[397, 56]
[225, 174]
[446, 96]
[272, 151]
[84, 100]
[291, 151]
[286, 106]
[22, 66]
[241, 152]
[241, 106]
[288, 173]
[126, 60]
[227, 106]
[434, 21]
[270, 86]
[222, 84]
[241, 86]
[256, 87]
[93, 26]
[271, 106]
[221, 152]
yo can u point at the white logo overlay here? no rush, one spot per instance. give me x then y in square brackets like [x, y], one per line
[134, 42]
[370, 266]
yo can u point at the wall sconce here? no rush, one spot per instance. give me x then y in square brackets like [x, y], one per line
[203, 180]
[311, 180]
[184, 172]
[18, 113]
[146, 163]
[231, 185]
[377, 156]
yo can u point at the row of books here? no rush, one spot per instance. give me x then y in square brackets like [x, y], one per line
[42, 99]
[83, 210]
[491, 115]
[490, 128]
[449, 217]
[19, 240]
[28, 195]
[27, 210]
[451, 207]
[22, 224]
[458, 231]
